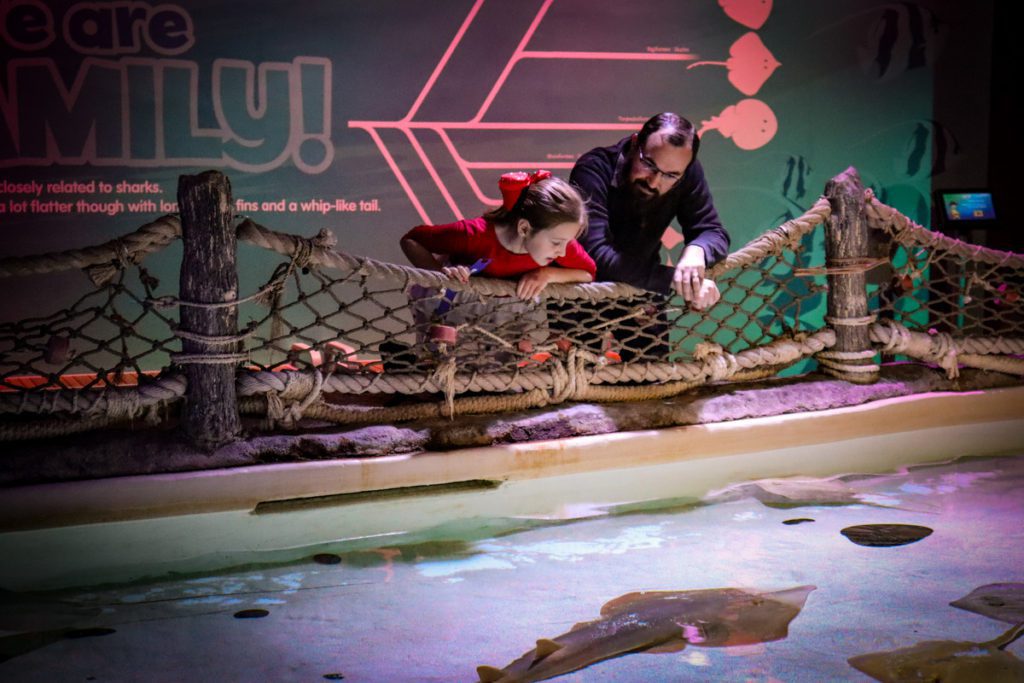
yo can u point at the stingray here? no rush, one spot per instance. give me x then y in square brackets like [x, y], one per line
[948, 661]
[750, 13]
[32, 612]
[750, 123]
[22, 643]
[885, 535]
[38, 621]
[1002, 601]
[750, 64]
[792, 492]
[656, 622]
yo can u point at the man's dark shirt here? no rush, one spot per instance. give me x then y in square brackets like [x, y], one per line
[624, 237]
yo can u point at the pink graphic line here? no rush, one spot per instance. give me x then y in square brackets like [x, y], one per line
[632, 56]
[492, 125]
[464, 170]
[464, 167]
[398, 174]
[520, 164]
[433, 174]
[441, 128]
[512, 60]
[444, 60]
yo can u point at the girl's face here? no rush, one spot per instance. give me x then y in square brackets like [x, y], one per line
[544, 246]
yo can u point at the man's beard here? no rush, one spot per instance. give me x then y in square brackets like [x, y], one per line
[643, 200]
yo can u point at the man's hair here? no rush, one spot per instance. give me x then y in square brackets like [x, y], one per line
[545, 204]
[678, 131]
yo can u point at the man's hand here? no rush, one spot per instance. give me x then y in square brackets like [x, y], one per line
[689, 273]
[460, 273]
[707, 295]
[532, 282]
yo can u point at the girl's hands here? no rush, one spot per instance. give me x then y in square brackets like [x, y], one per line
[460, 273]
[532, 282]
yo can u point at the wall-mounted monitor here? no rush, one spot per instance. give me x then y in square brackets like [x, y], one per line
[965, 209]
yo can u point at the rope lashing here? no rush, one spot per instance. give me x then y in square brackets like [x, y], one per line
[214, 340]
[208, 358]
[832, 360]
[852, 322]
[843, 266]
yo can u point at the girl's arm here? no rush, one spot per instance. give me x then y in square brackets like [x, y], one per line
[421, 257]
[532, 282]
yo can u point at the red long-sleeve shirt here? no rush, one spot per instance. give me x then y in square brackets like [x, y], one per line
[468, 240]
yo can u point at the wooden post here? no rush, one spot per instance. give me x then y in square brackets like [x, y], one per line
[209, 275]
[846, 246]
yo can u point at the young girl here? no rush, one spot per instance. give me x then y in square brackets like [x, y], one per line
[531, 236]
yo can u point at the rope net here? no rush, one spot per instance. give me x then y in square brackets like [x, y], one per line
[325, 324]
[112, 336]
[934, 282]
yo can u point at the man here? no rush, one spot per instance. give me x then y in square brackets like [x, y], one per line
[633, 190]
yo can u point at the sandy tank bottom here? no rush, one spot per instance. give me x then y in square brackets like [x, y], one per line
[435, 611]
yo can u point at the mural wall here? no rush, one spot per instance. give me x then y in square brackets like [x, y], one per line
[370, 116]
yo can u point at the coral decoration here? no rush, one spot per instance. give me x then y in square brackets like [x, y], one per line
[513, 184]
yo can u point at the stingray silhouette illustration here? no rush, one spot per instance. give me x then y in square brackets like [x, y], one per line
[750, 64]
[750, 13]
[439, 151]
[750, 123]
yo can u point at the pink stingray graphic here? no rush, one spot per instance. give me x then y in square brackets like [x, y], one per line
[750, 13]
[750, 123]
[431, 141]
[750, 64]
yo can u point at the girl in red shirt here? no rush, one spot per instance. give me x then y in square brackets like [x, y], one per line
[531, 236]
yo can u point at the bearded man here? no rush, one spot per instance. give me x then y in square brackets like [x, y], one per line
[633, 190]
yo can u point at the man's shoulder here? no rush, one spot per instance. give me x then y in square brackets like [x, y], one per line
[601, 158]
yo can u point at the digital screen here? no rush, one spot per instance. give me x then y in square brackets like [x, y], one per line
[968, 206]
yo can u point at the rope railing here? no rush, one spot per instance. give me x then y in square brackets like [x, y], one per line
[329, 324]
[103, 260]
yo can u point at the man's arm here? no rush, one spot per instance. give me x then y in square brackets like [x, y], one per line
[594, 182]
[698, 218]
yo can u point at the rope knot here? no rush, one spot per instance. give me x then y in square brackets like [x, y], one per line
[287, 413]
[444, 377]
[718, 364]
[944, 352]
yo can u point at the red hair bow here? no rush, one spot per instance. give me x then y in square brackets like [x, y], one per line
[513, 184]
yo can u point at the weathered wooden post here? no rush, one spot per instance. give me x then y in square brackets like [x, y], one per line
[208, 276]
[847, 258]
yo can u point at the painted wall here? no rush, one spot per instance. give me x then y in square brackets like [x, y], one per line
[370, 116]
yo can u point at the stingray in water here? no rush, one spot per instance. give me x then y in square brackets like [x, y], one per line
[34, 621]
[792, 492]
[886, 535]
[947, 661]
[1002, 601]
[32, 612]
[658, 621]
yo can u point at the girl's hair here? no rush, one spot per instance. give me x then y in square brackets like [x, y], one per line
[544, 204]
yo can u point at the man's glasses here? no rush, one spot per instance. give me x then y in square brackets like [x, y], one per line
[652, 168]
